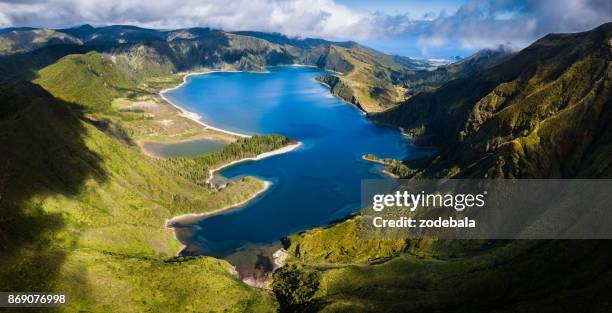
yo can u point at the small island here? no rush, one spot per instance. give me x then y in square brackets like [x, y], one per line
[394, 168]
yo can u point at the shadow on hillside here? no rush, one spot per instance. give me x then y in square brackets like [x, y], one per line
[43, 154]
[24, 66]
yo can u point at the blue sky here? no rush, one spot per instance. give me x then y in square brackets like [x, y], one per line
[410, 46]
[424, 29]
[414, 9]
[462, 27]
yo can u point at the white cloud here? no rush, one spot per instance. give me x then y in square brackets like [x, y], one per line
[481, 24]
[476, 24]
[321, 18]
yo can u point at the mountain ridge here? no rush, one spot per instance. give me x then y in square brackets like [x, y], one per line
[506, 111]
[374, 78]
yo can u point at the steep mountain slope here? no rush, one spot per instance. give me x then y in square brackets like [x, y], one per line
[177, 50]
[90, 79]
[429, 80]
[10, 29]
[118, 34]
[281, 39]
[438, 276]
[369, 80]
[542, 113]
[376, 82]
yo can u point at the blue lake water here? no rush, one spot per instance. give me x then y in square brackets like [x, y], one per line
[312, 186]
[188, 148]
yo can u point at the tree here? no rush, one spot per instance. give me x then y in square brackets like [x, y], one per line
[295, 289]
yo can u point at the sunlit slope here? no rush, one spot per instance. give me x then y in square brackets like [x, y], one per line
[525, 276]
[94, 79]
[376, 82]
[368, 79]
[89, 79]
[542, 113]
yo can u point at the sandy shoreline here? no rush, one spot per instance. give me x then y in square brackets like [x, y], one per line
[382, 162]
[171, 223]
[278, 260]
[280, 255]
[264, 155]
[192, 115]
[197, 118]
[190, 216]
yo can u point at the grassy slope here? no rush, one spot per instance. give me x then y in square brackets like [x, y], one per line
[561, 95]
[446, 276]
[369, 79]
[94, 79]
[541, 113]
[90, 79]
[522, 276]
[428, 80]
[376, 82]
[83, 210]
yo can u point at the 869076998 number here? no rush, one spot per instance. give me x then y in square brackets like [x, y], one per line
[32, 299]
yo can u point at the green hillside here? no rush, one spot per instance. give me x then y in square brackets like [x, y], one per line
[90, 79]
[369, 79]
[428, 80]
[520, 276]
[375, 82]
[83, 209]
[82, 212]
[541, 113]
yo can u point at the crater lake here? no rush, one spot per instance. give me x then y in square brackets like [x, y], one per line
[314, 185]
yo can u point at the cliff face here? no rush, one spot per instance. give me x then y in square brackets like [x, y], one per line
[339, 88]
[543, 112]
